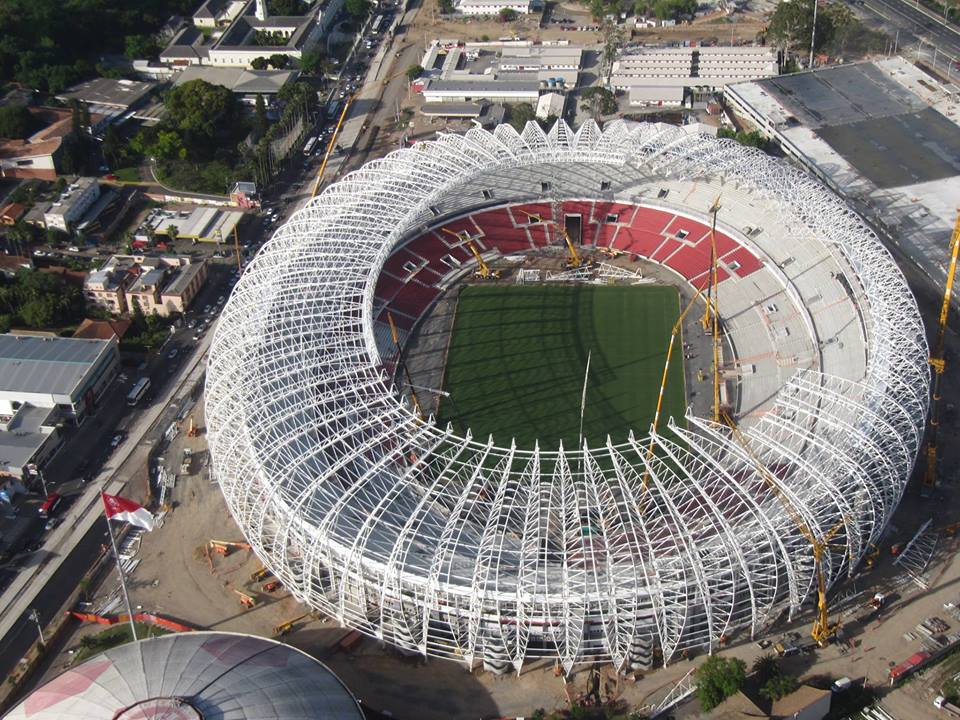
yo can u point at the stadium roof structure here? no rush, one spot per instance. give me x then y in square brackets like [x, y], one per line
[191, 676]
[448, 545]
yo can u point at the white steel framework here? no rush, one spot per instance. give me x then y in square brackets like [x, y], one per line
[455, 547]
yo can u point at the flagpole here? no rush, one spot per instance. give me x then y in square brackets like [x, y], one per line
[583, 397]
[123, 582]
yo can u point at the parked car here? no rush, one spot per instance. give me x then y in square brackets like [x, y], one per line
[117, 439]
[50, 505]
[172, 354]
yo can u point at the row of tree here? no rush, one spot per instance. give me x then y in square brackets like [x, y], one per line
[39, 300]
[50, 44]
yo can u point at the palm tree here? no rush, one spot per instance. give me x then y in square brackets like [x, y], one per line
[765, 667]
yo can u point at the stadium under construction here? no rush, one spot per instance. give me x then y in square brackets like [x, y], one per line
[661, 535]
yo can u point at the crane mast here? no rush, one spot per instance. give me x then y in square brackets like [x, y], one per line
[939, 364]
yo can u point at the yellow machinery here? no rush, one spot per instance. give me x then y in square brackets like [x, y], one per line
[674, 333]
[939, 364]
[822, 630]
[260, 574]
[284, 628]
[483, 270]
[331, 145]
[711, 316]
[403, 364]
[574, 260]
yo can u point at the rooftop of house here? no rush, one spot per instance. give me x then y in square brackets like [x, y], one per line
[46, 365]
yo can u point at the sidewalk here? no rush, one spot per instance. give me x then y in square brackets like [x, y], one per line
[77, 521]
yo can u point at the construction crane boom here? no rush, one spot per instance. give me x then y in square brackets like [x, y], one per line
[573, 259]
[939, 364]
[483, 270]
[821, 631]
[331, 145]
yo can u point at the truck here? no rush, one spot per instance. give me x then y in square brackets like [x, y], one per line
[940, 702]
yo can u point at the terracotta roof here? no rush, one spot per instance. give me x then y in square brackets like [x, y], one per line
[13, 211]
[12, 263]
[102, 329]
[46, 141]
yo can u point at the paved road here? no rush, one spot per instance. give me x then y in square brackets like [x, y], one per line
[917, 27]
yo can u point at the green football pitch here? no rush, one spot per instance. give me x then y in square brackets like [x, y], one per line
[518, 354]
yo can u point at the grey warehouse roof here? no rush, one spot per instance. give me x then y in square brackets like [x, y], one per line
[195, 675]
[120, 93]
[46, 365]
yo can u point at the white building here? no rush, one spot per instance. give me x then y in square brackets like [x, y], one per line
[216, 13]
[493, 7]
[492, 90]
[43, 381]
[550, 105]
[251, 33]
[657, 76]
[73, 204]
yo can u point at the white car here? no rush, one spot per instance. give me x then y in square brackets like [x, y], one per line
[73, 248]
[39, 253]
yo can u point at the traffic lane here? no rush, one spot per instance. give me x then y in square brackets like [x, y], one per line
[48, 603]
[917, 25]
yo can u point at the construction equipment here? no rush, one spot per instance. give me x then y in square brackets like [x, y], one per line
[610, 252]
[871, 557]
[285, 627]
[193, 430]
[674, 332]
[225, 547]
[574, 260]
[877, 601]
[331, 145]
[711, 316]
[483, 270]
[271, 586]
[260, 574]
[396, 341]
[822, 630]
[939, 364]
[246, 600]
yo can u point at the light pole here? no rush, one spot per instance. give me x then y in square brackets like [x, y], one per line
[35, 616]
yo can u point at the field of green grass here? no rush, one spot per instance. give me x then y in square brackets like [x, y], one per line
[518, 355]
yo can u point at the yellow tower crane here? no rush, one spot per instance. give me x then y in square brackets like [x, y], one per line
[822, 630]
[483, 270]
[939, 364]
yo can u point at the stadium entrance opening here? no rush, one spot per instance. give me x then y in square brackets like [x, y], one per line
[573, 224]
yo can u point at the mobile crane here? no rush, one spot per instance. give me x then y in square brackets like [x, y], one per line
[939, 363]
[483, 270]
[574, 260]
[822, 630]
[331, 145]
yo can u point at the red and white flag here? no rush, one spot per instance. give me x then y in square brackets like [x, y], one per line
[118, 508]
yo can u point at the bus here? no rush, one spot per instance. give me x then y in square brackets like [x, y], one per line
[377, 22]
[138, 391]
[333, 109]
[308, 148]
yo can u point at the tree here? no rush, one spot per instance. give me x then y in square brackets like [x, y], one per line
[16, 122]
[414, 71]
[173, 231]
[259, 63]
[765, 667]
[201, 112]
[260, 117]
[520, 115]
[112, 146]
[285, 7]
[279, 61]
[140, 47]
[717, 679]
[791, 24]
[598, 101]
[507, 14]
[357, 8]
[779, 686]
[299, 93]
[168, 146]
[597, 9]
[674, 9]
[312, 62]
